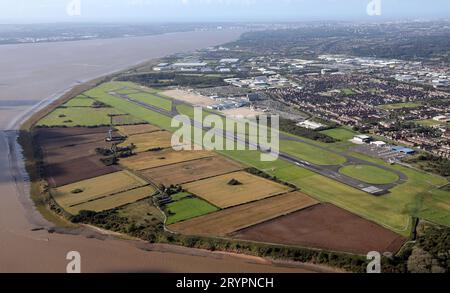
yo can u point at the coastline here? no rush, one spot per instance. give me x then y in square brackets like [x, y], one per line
[45, 252]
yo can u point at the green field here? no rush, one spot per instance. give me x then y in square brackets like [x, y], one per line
[369, 174]
[342, 134]
[310, 153]
[79, 116]
[79, 101]
[153, 100]
[141, 212]
[100, 93]
[407, 105]
[348, 92]
[431, 122]
[184, 208]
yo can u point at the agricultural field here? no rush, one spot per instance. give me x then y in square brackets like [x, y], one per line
[154, 159]
[221, 192]
[141, 212]
[80, 111]
[101, 94]
[67, 172]
[80, 101]
[129, 130]
[226, 221]
[55, 137]
[153, 100]
[113, 201]
[369, 174]
[327, 227]
[69, 154]
[149, 141]
[79, 116]
[191, 171]
[186, 207]
[310, 153]
[102, 193]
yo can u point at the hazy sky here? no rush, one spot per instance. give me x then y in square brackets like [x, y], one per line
[27, 11]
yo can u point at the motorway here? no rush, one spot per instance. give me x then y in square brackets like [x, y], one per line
[331, 172]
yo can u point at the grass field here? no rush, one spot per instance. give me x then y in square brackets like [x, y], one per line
[220, 193]
[79, 116]
[409, 105]
[124, 184]
[340, 133]
[80, 101]
[348, 92]
[184, 208]
[166, 157]
[153, 100]
[148, 141]
[369, 174]
[142, 212]
[431, 122]
[310, 153]
[229, 220]
[100, 93]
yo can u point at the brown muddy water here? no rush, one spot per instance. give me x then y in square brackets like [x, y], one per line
[31, 75]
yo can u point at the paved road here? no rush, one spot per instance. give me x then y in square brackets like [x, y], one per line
[327, 171]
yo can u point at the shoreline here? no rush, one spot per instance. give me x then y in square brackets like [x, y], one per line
[83, 238]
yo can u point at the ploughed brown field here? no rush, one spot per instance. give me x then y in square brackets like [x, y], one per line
[43, 134]
[79, 169]
[69, 154]
[191, 171]
[154, 159]
[129, 130]
[68, 141]
[218, 190]
[325, 226]
[229, 220]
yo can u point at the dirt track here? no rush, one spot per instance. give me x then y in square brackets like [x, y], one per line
[328, 227]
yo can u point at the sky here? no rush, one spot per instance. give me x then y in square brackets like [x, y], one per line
[30, 11]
